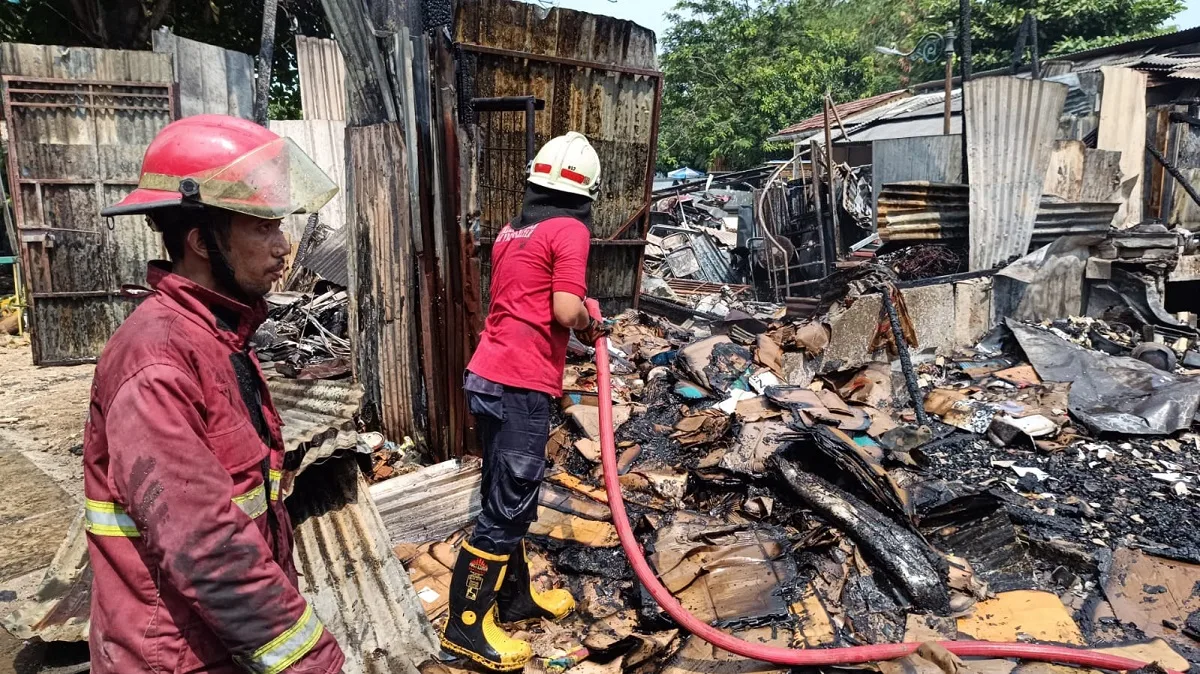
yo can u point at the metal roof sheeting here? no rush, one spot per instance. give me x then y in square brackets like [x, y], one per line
[1011, 125]
[1055, 219]
[322, 78]
[60, 610]
[844, 110]
[318, 414]
[920, 211]
[355, 583]
[209, 80]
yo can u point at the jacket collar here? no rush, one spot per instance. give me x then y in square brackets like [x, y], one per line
[231, 321]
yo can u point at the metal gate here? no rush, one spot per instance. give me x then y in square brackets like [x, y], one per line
[74, 147]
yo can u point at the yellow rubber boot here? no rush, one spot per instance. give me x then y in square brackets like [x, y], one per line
[520, 600]
[471, 630]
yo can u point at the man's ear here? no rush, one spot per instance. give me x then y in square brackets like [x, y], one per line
[195, 243]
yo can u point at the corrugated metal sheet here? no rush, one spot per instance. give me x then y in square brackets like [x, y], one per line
[383, 318]
[318, 415]
[598, 75]
[844, 110]
[328, 258]
[208, 79]
[1123, 128]
[1011, 124]
[1055, 219]
[355, 583]
[919, 211]
[71, 152]
[60, 609]
[934, 159]
[322, 78]
[325, 141]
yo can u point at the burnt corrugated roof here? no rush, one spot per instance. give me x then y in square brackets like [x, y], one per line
[843, 110]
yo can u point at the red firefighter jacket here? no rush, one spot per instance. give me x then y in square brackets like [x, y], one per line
[190, 544]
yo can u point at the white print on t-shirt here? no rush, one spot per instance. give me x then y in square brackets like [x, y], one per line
[508, 233]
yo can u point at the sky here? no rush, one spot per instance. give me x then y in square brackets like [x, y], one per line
[650, 13]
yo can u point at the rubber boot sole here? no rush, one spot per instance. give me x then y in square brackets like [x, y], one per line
[460, 651]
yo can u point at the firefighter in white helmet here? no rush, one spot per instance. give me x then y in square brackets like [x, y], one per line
[538, 291]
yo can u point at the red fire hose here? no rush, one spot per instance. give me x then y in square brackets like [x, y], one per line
[786, 656]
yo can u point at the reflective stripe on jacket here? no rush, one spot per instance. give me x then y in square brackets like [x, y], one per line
[190, 544]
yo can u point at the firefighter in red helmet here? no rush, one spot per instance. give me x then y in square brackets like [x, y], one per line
[189, 540]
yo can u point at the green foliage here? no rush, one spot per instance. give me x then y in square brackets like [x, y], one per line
[1064, 26]
[736, 71]
[128, 24]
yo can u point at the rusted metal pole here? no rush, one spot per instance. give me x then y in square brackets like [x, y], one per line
[833, 218]
[814, 149]
[949, 91]
[266, 59]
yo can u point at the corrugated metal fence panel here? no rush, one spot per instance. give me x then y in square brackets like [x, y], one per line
[935, 159]
[83, 63]
[1123, 127]
[597, 76]
[325, 141]
[322, 78]
[209, 80]
[382, 266]
[1011, 125]
[79, 121]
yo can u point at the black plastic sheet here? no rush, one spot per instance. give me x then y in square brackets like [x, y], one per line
[1112, 394]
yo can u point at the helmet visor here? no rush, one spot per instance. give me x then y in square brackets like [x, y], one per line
[270, 182]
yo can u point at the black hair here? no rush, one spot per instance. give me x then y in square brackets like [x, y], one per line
[174, 223]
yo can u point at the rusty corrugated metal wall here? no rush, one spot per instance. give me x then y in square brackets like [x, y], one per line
[597, 75]
[209, 80]
[79, 121]
[322, 78]
[1011, 124]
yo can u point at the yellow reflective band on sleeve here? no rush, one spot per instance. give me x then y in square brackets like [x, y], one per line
[253, 502]
[104, 518]
[287, 648]
[275, 476]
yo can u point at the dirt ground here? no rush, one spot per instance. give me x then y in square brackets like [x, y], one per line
[42, 411]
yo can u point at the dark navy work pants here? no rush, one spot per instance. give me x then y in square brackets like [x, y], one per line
[514, 427]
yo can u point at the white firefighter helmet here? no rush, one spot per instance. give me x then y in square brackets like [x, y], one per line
[567, 164]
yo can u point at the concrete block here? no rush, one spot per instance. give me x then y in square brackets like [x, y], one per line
[972, 311]
[932, 310]
[1098, 269]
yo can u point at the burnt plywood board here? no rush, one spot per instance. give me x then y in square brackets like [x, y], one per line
[209, 80]
[1123, 128]
[1011, 125]
[1146, 590]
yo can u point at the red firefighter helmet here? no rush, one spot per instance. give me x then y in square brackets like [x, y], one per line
[228, 163]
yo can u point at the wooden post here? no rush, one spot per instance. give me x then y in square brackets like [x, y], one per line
[266, 59]
[833, 210]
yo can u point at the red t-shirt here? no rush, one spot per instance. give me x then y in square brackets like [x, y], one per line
[522, 345]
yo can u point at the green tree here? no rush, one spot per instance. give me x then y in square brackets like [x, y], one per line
[1064, 26]
[129, 24]
[736, 71]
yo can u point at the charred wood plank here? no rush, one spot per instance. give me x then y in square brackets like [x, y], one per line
[903, 554]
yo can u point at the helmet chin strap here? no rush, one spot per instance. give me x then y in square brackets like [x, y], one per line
[221, 270]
